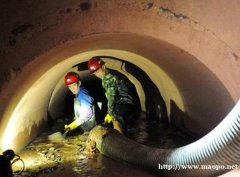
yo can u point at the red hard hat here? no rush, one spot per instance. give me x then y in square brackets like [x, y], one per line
[94, 64]
[71, 77]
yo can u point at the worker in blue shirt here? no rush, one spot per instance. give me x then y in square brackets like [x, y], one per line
[83, 104]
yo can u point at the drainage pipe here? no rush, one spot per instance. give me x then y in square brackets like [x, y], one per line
[212, 155]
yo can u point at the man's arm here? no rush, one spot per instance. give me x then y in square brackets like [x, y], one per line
[85, 109]
[76, 123]
[110, 86]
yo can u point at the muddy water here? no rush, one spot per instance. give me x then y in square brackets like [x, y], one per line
[67, 158]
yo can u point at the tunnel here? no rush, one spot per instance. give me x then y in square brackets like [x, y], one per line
[183, 58]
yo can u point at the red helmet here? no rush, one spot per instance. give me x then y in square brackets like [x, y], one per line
[94, 64]
[71, 77]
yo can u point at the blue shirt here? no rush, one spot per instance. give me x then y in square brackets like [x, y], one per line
[85, 108]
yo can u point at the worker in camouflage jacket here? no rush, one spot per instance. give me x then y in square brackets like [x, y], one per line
[122, 99]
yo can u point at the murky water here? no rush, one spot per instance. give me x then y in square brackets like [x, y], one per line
[44, 158]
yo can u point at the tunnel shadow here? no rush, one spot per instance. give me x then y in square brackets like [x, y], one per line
[181, 120]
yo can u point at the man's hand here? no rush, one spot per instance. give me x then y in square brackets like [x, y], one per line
[66, 128]
[71, 126]
[108, 119]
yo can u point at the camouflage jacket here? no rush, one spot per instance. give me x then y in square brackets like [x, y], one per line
[118, 90]
[109, 83]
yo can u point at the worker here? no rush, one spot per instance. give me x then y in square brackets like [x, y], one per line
[5, 163]
[83, 105]
[122, 99]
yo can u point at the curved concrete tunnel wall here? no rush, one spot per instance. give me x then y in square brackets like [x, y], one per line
[196, 63]
[32, 108]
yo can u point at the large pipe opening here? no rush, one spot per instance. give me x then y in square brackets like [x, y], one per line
[176, 84]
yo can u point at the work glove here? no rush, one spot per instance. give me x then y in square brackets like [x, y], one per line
[108, 119]
[71, 126]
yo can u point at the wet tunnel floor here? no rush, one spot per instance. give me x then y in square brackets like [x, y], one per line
[67, 158]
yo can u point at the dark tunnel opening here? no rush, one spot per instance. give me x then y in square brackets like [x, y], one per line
[155, 104]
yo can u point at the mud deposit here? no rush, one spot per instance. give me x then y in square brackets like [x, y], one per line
[68, 158]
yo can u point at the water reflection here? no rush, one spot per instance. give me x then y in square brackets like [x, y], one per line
[67, 158]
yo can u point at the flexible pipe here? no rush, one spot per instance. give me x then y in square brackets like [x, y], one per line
[212, 155]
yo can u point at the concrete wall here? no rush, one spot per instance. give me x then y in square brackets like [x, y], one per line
[189, 49]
